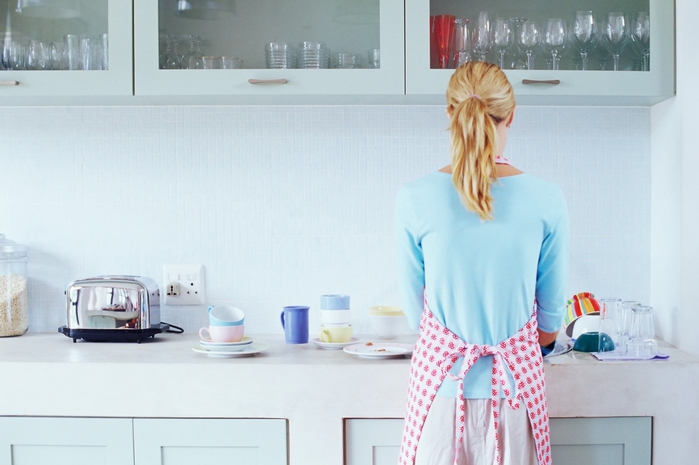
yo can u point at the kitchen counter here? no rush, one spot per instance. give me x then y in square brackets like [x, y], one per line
[49, 375]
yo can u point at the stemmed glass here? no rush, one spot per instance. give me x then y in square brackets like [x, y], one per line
[193, 58]
[502, 37]
[615, 35]
[555, 37]
[585, 34]
[172, 59]
[480, 36]
[461, 49]
[529, 38]
[444, 36]
[640, 37]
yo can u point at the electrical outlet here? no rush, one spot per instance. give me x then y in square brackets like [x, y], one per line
[184, 284]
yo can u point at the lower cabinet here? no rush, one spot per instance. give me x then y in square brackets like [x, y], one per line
[575, 441]
[141, 441]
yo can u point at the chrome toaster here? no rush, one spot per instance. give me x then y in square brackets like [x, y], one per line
[113, 308]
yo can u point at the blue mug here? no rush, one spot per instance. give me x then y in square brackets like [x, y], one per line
[295, 324]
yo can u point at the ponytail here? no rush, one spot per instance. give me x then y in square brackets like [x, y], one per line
[479, 97]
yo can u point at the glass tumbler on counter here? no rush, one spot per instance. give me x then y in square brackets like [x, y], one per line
[14, 308]
[642, 341]
[611, 327]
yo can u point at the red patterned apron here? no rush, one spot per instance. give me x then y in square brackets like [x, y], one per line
[437, 351]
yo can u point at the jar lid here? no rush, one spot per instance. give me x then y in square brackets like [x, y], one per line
[11, 249]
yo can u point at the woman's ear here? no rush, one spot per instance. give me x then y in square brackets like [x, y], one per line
[510, 119]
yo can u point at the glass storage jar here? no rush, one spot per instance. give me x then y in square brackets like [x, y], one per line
[14, 311]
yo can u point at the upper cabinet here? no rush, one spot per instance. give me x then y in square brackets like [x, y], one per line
[597, 52]
[571, 52]
[269, 49]
[60, 48]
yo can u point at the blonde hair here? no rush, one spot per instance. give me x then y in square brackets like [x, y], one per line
[479, 97]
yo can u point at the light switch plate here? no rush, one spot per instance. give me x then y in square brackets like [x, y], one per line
[183, 284]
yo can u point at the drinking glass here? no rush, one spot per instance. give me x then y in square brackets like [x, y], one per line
[642, 341]
[172, 58]
[615, 35]
[6, 53]
[229, 62]
[193, 58]
[36, 55]
[87, 53]
[584, 35]
[555, 38]
[503, 37]
[17, 55]
[374, 56]
[212, 62]
[480, 36]
[57, 56]
[443, 36]
[611, 324]
[640, 37]
[72, 51]
[461, 48]
[529, 38]
[520, 60]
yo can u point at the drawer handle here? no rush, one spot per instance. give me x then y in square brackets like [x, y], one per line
[553, 82]
[9, 83]
[267, 81]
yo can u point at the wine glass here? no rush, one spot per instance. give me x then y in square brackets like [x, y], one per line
[480, 36]
[615, 35]
[193, 58]
[461, 49]
[555, 37]
[640, 37]
[172, 59]
[529, 38]
[585, 34]
[502, 37]
[444, 37]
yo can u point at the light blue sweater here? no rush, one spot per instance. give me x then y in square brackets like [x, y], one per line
[482, 277]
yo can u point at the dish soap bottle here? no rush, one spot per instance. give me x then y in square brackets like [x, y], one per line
[14, 308]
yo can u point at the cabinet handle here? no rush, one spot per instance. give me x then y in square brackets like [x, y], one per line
[267, 81]
[9, 83]
[553, 82]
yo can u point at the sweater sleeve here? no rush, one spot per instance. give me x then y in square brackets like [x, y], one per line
[410, 260]
[552, 275]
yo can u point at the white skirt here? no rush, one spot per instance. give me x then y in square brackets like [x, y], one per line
[436, 446]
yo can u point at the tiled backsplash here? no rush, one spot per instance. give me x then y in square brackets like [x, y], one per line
[283, 204]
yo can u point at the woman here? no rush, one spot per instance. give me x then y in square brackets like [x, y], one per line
[483, 263]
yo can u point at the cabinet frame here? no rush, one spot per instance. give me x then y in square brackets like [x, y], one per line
[576, 87]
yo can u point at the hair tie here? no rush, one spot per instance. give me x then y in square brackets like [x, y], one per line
[474, 96]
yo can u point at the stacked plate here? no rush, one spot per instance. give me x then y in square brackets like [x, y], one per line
[280, 55]
[226, 346]
[313, 55]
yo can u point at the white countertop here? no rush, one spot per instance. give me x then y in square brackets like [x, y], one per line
[48, 375]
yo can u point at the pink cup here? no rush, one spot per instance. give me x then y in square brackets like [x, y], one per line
[222, 333]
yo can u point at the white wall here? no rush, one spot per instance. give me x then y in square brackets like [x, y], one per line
[675, 224]
[283, 204]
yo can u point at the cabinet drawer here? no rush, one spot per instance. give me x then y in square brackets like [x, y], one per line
[65, 441]
[211, 441]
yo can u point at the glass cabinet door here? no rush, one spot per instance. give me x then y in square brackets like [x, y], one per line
[65, 48]
[553, 51]
[269, 47]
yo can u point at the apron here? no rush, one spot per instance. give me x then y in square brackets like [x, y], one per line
[438, 350]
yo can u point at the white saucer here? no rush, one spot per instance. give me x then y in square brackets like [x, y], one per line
[379, 350]
[245, 351]
[334, 345]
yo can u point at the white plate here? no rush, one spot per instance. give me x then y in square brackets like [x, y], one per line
[379, 350]
[245, 351]
[227, 346]
[334, 345]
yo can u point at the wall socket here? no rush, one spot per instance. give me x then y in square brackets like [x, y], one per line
[184, 284]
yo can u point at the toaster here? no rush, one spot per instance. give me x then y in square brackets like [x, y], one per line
[113, 308]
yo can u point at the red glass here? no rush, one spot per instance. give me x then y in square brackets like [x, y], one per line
[444, 37]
